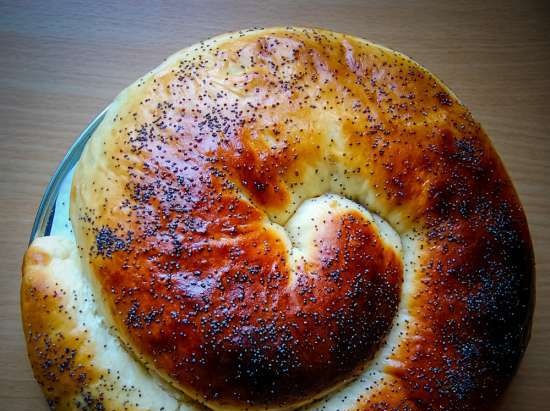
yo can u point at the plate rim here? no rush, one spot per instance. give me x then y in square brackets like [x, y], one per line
[46, 208]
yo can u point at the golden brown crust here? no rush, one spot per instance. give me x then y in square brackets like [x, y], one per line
[53, 354]
[78, 364]
[221, 210]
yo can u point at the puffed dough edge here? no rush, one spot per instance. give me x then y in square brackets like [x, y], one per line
[75, 358]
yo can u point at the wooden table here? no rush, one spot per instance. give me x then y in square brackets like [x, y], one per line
[61, 63]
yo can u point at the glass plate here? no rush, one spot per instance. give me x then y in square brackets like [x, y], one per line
[52, 217]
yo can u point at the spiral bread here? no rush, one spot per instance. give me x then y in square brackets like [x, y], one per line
[278, 219]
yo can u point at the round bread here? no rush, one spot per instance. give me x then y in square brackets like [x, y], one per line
[287, 217]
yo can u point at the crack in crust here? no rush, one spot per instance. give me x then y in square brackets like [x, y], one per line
[75, 359]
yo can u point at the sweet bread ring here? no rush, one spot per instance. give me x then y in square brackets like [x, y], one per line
[283, 218]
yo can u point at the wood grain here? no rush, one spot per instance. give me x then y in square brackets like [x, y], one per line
[62, 62]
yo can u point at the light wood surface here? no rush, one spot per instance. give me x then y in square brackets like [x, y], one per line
[62, 62]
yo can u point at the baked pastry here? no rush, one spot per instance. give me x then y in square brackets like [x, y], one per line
[283, 218]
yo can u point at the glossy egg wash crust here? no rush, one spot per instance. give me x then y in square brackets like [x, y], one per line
[278, 219]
